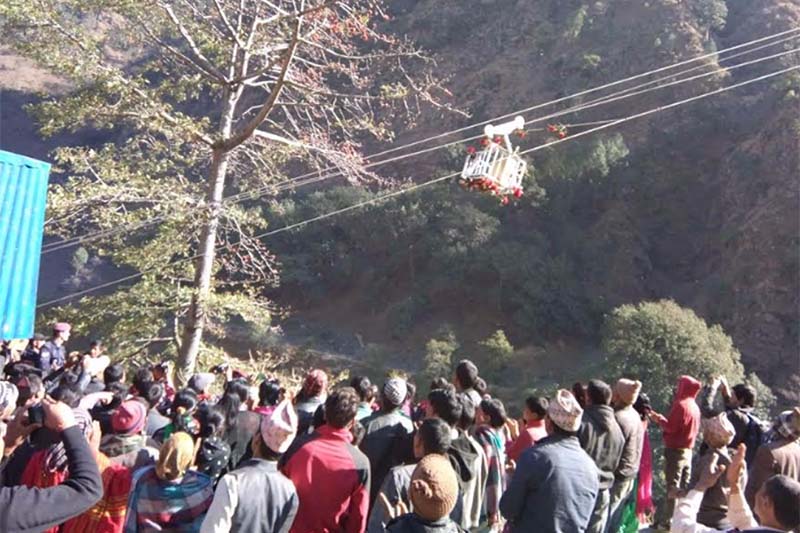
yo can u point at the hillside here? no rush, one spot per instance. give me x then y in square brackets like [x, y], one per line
[700, 204]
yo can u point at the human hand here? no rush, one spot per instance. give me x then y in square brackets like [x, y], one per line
[737, 469]
[513, 428]
[392, 511]
[710, 474]
[511, 467]
[57, 416]
[18, 429]
[95, 436]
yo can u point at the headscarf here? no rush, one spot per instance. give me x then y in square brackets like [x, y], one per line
[213, 457]
[175, 457]
[55, 457]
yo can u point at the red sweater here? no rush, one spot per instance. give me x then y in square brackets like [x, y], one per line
[683, 424]
[533, 432]
[332, 481]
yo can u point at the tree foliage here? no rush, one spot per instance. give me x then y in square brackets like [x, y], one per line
[205, 102]
[496, 350]
[657, 342]
[438, 358]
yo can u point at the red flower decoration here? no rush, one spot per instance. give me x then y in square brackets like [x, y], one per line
[517, 193]
[504, 200]
[484, 142]
[471, 150]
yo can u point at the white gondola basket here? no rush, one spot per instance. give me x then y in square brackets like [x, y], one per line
[498, 165]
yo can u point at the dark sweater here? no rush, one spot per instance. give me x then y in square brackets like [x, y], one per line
[553, 490]
[602, 438]
[411, 523]
[24, 509]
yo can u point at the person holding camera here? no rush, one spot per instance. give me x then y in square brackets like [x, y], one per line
[55, 505]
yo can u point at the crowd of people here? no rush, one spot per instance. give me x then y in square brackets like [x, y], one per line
[88, 447]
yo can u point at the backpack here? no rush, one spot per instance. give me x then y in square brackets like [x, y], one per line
[754, 437]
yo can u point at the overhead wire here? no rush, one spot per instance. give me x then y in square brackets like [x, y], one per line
[410, 188]
[315, 177]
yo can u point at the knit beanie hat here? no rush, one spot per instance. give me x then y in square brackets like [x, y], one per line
[129, 418]
[434, 488]
[175, 457]
[8, 396]
[718, 431]
[395, 391]
[280, 427]
[628, 391]
[565, 412]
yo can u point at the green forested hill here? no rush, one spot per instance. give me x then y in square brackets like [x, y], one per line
[698, 204]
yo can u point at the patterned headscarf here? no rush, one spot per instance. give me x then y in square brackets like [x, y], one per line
[213, 457]
[55, 458]
[175, 457]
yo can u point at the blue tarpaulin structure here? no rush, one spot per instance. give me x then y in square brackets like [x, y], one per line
[23, 198]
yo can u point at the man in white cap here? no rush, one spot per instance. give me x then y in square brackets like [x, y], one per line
[257, 497]
[555, 485]
[387, 434]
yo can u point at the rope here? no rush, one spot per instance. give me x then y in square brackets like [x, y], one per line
[427, 183]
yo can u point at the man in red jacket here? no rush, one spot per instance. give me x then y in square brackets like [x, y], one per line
[330, 474]
[680, 431]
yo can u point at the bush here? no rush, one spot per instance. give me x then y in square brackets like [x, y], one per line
[496, 351]
[657, 342]
[438, 360]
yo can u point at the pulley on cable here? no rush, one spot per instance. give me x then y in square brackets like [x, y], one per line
[497, 168]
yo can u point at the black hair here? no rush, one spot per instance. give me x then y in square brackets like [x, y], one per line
[229, 405]
[154, 394]
[466, 374]
[784, 493]
[68, 390]
[95, 343]
[579, 392]
[440, 383]
[269, 392]
[113, 374]
[341, 407]
[119, 392]
[363, 387]
[359, 432]
[185, 400]
[642, 405]
[142, 380]
[446, 405]
[496, 411]
[558, 430]
[212, 423]
[481, 387]
[467, 419]
[435, 436]
[746, 394]
[239, 387]
[537, 406]
[599, 392]
[35, 386]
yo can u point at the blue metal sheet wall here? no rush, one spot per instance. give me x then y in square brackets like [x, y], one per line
[23, 198]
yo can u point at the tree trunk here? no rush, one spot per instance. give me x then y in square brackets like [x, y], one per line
[204, 268]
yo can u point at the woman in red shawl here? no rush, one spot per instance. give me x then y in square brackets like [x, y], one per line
[48, 468]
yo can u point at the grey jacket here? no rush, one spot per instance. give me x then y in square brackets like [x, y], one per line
[602, 438]
[267, 499]
[633, 430]
[553, 490]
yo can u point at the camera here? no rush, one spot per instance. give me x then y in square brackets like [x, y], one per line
[220, 368]
[36, 414]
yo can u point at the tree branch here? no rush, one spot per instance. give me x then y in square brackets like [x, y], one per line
[199, 57]
[250, 127]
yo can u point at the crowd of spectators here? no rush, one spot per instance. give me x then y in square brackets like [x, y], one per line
[90, 446]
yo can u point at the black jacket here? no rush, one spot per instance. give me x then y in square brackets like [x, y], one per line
[602, 438]
[411, 523]
[25, 509]
[385, 435]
